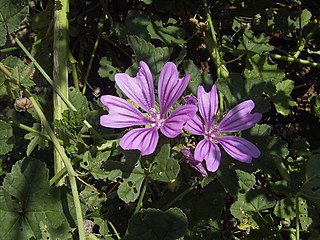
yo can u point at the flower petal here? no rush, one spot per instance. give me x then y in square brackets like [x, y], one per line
[143, 139]
[208, 104]
[239, 148]
[239, 118]
[195, 125]
[173, 125]
[210, 152]
[121, 113]
[170, 86]
[139, 89]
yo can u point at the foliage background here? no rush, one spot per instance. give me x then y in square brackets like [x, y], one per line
[263, 50]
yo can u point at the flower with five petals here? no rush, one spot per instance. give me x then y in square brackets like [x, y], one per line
[237, 119]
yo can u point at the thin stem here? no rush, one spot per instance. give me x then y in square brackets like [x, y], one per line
[179, 197]
[75, 77]
[143, 192]
[303, 42]
[114, 230]
[93, 54]
[214, 47]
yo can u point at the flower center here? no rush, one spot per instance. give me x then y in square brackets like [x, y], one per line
[211, 133]
[155, 117]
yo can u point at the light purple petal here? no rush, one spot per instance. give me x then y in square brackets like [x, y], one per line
[121, 113]
[173, 125]
[239, 118]
[139, 89]
[208, 104]
[195, 125]
[239, 148]
[143, 139]
[170, 86]
[210, 152]
[191, 100]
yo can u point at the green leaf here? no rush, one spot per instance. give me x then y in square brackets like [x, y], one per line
[93, 165]
[107, 70]
[282, 99]
[235, 89]
[203, 208]
[305, 17]
[311, 187]
[254, 44]
[129, 173]
[151, 223]
[78, 100]
[135, 24]
[246, 180]
[304, 216]
[92, 198]
[270, 147]
[252, 201]
[197, 77]
[12, 12]
[6, 138]
[28, 206]
[170, 35]
[261, 71]
[285, 208]
[155, 57]
[316, 106]
[166, 168]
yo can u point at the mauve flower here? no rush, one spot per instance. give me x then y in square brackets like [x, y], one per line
[140, 89]
[237, 119]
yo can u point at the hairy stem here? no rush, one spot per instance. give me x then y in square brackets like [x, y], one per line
[297, 218]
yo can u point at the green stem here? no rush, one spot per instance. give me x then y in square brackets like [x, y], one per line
[143, 192]
[60, 150]
[114, 230]
[179, 197]
[214, 47]
[93, 54]
[297, 218]
[60, 68]
[293, 59]
[75, 77]
[303, 42]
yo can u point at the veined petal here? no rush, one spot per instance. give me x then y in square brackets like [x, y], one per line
[139, 89]
[121, 113]
[210, 152]
[195, 125]
[170, 86]
[208, 104]
[143, 139]
[239, 118]
[239, 148]
[173, 125]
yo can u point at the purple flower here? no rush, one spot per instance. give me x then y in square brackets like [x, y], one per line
[237, 119]
[140, 90]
